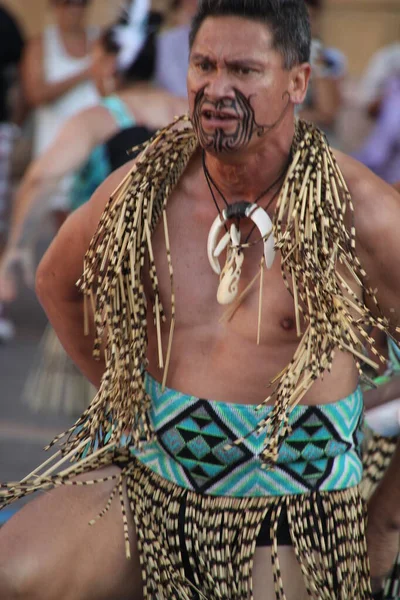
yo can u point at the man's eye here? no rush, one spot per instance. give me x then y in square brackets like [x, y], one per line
[243, 70]
[204, 66]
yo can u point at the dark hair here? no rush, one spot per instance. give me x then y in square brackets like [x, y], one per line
[287, 19]
[142, 68]
[317, 4]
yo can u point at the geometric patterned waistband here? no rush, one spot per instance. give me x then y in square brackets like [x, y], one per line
[192, 447]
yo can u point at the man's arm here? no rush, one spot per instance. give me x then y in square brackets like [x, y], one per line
[377, 218]
[59, 270]
[389, 391]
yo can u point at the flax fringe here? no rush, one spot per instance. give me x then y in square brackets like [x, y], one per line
[311, 228]
[377, 455]
[327, 531]
[311, 225]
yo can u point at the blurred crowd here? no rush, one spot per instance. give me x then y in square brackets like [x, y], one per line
[76, 99]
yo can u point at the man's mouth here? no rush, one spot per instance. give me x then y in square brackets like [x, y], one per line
[218, 115]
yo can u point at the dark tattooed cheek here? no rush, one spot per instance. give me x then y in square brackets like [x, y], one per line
[219, 140]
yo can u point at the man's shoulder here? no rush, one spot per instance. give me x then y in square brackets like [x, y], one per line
[359, 179]
[376, 203]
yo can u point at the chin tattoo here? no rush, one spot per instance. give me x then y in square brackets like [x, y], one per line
[240, 107]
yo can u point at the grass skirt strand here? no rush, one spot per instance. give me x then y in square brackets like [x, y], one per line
[314, 230]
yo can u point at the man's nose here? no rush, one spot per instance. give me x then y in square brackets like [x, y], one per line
[219, 86]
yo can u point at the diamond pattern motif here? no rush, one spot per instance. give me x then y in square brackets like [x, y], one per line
[194, 449]
[312, 448]
[197, 439]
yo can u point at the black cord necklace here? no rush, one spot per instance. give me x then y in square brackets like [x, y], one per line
[211, 182]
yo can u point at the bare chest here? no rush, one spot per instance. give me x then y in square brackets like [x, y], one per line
[215, 353]
[195, 284]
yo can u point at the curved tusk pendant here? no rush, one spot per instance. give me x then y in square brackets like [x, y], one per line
[264, 224]
[229, 277]
[222, 244]
[212, 243]
[239, 210]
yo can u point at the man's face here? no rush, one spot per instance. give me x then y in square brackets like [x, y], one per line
[237, 84]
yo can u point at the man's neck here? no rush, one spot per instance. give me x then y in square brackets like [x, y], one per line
[245, 177]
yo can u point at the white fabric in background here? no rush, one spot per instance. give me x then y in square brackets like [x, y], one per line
[385, 419]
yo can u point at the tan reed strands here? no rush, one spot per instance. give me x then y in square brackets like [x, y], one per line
[377, 454]
[313, 240]
[113, 281]
[171, 277]
[313, 204]
[224, 554]
[221, 533]
[260, 301]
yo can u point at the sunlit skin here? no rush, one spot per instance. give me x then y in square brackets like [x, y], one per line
[222, 64]
[70, 16]
[210, 358]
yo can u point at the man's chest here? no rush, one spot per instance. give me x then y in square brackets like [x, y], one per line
[195, 284]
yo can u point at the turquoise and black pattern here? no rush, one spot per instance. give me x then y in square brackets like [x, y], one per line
[194, 446]
[394, 357]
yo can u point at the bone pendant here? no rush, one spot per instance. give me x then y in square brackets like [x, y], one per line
[229, 279]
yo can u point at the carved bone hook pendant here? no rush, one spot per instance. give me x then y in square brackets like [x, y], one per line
[229, 279]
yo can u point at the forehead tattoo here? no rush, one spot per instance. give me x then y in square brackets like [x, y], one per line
[247, 126]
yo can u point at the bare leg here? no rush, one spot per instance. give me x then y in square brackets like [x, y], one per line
[263, 580]
[48, 551]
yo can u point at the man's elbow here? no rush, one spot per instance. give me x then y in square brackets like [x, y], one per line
[44, 283]
[55, 291]
[48, 285]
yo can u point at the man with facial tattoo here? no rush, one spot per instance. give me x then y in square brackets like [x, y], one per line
[227, 281]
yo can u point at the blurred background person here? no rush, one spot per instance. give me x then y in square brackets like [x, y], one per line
[324, 97]
[123, 62]
[383, 65]
[11, 47]
[380, 99]
[56, 77]
[123, 70]
[173, 47]
[381, 150]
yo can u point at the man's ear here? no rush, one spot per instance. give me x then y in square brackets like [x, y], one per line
[299, 79]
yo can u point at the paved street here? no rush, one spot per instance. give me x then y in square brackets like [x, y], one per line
[22, 433]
